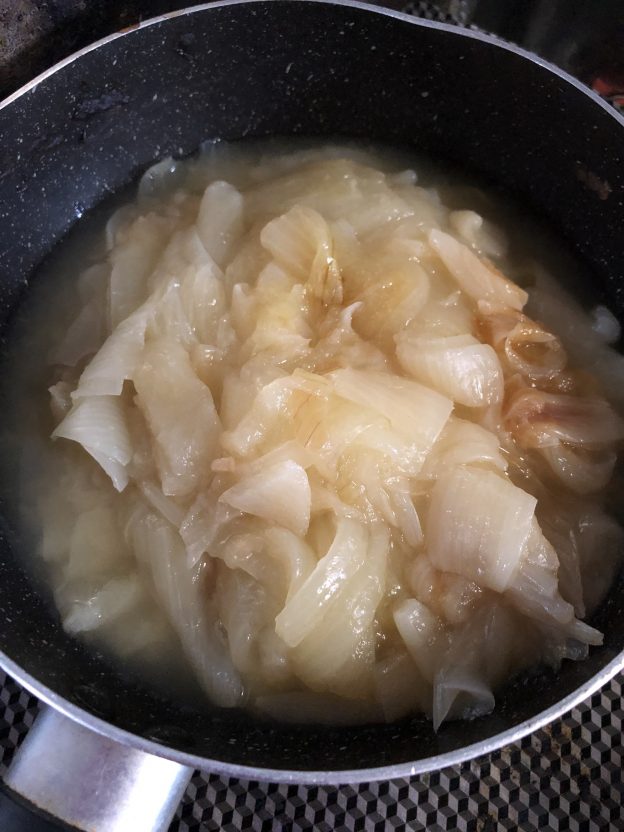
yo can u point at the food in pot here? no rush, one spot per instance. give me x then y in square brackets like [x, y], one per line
[326, 433]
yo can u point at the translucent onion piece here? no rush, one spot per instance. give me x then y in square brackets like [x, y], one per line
[404, 177]
[280, 494]
[300, 241]
[534, 352]
[340, 346]
[373, 486]
[458, 366]
[181, 416]
[464, 685]
[324, 499]
[243, 309]
[606, 325]
[85, 334]
[241, 388]
[244, 552]
[273, 658]
[132, 261]
[532, 597]
[451, 597]
[60, 399]
[191, 306]
[338, 655]
[541, 420]
[535, 592]
[481, 654]
[474, 276]
[327, 426]
[287, 451]
[98, 424]
[184, 250]
[280, 317]
[121, 611]
[398, 400]
[179, 589]
[159, 179]
[464, 443]
[294, 555]
[590, 546]
[558, 528]
[407, 518]
[447, 313]
[207, 522]
[336, 188]
[559, 311]
[391, 299]
[307, 606]
[245, 608]
[118, 357]
[220, 220]
[119, 222]
[478, 233]
[116, 598]
[270, 405]
[478, 525]
[494, 326]
[169, 509]
[423, 633]
[601, 549]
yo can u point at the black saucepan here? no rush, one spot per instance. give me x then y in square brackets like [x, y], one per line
[286, 67]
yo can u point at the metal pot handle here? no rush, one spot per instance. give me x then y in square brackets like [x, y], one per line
[88, 781]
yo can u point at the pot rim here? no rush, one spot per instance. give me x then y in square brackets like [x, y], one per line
[326, 777]
[459, 31]
[334, 777]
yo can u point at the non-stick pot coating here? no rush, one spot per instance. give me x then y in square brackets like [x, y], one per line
[278, 67]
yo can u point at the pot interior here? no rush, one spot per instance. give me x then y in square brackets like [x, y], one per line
[313, 69]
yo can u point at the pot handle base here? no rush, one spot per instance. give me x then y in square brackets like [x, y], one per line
[90, 782]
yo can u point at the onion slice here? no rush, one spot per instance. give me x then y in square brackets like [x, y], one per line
[478, 525]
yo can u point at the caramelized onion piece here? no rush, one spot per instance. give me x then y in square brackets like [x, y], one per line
[533, 351]
[478, 278]
[527, 347]
[540, 420]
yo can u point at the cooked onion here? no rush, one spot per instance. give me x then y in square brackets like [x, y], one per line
[478, 526]
[481, 281]
[542, 420]
[316, 452]
[459, 366]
